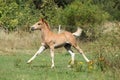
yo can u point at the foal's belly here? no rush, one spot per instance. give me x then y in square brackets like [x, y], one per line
[60, 45]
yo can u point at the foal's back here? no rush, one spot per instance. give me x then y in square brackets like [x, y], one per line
[63, 38]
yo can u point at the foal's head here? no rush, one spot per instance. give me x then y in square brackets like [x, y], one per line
[40, 25]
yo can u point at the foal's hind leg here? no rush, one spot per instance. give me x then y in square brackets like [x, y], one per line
[81, 52]
[68, 48]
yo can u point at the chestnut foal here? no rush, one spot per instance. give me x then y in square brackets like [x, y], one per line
[55, 40]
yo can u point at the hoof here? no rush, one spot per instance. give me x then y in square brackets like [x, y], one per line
[69, 66]
[29, 62]
[90, 62]
[52, 66]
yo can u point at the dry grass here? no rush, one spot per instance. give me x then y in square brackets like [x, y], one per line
[18, 41]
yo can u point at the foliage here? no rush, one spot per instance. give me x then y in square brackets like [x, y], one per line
[79, 13]
[84, 15]
[110, 6]
[20, 14]
[17, 14]
[51, 12]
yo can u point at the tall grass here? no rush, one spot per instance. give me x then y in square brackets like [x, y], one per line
[19, 41]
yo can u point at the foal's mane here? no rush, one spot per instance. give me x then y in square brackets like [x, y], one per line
[47, 25]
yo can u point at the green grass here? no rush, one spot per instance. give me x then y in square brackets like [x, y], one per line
[14, 67]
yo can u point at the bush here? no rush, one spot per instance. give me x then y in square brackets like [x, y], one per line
[110, 6]
[86, 15]
[20, 14]
[15, 15]
[51, 12]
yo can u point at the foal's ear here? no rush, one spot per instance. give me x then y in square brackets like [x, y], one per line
[42, 19]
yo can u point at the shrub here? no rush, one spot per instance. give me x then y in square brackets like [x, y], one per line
[79, 13]
[86, 15]
[15, 14]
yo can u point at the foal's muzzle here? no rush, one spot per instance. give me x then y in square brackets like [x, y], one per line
[32, 28]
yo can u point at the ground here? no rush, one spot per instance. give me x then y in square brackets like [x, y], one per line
[14, 67]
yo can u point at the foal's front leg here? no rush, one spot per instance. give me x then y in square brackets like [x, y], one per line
[41, 49]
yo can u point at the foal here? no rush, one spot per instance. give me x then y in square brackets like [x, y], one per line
[51, 40]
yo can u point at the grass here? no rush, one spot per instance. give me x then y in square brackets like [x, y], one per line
[14, 67]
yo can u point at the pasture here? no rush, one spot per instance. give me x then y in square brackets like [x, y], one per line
[14, 67]
[17, 48]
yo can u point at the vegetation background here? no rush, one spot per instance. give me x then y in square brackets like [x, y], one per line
[100, 39]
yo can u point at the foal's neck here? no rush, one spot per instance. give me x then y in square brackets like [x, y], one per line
[45, 33]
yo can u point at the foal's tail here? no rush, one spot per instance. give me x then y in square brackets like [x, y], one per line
[78, 32]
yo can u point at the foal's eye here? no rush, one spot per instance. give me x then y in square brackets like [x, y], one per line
[38, 23]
